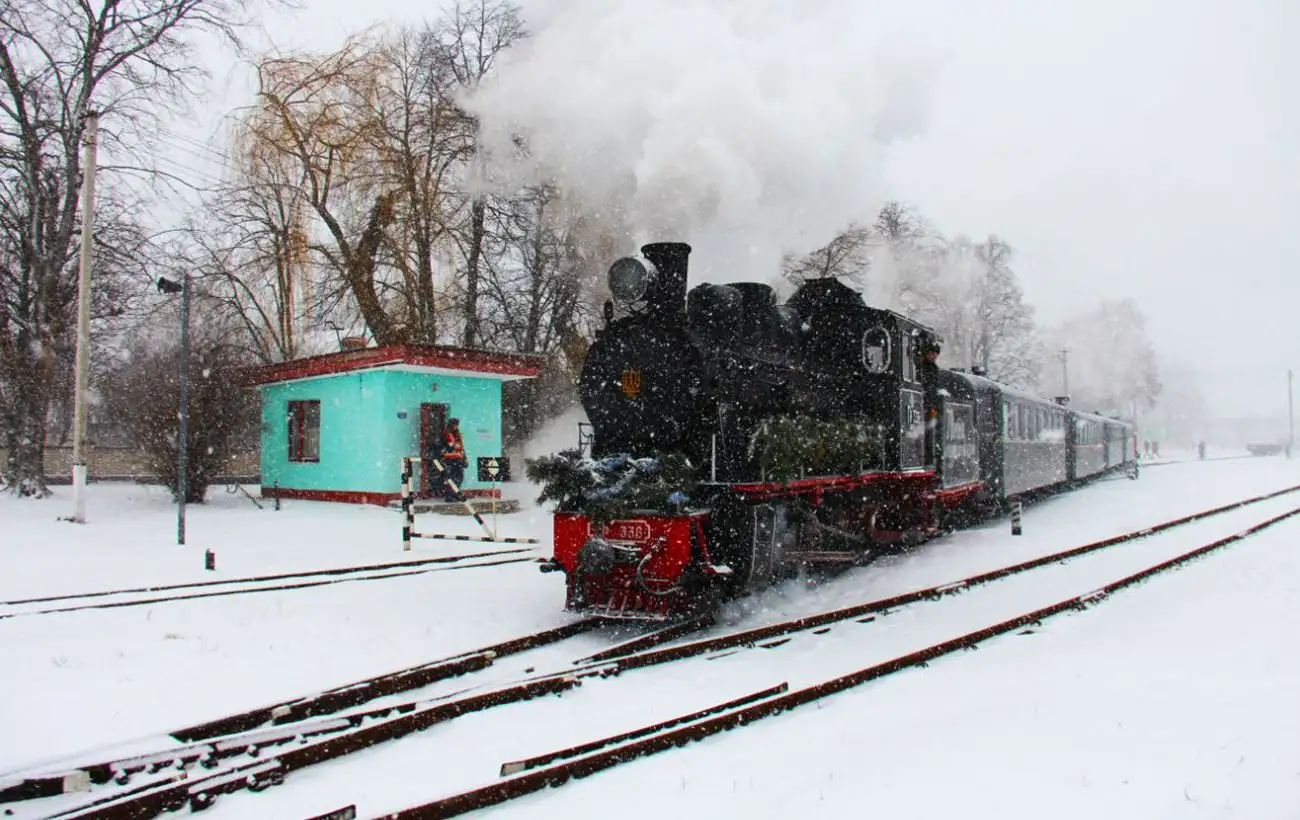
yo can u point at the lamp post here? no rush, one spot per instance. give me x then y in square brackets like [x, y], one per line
[182, 443]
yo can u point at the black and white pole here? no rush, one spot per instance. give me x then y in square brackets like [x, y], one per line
[1015, 517]
[493, 469]
[408, 510]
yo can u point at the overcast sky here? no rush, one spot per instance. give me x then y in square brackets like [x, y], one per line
[1141, 148]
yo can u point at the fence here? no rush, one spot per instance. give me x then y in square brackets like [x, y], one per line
[131, 464]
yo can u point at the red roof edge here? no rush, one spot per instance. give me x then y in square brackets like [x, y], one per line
[452, 358]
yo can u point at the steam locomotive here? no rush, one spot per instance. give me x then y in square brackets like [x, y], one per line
[817, 432]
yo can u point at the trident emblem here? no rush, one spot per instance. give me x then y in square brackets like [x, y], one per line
[631, 383]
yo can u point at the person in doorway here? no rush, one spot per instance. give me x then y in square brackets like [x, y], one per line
[453, 461]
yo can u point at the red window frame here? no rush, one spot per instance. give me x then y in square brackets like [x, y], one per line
[304, 415]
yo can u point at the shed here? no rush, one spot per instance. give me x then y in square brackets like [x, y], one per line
[336, 427]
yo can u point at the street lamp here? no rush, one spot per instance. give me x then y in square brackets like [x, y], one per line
[166, 285]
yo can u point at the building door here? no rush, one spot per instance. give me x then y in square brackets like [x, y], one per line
[433, 418]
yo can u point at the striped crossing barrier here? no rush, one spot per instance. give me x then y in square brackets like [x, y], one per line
[408, 511]
[478, 538]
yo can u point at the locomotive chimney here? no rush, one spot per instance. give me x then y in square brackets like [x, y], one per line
[670, 259]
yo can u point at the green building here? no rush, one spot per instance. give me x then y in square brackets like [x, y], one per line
[336, 427]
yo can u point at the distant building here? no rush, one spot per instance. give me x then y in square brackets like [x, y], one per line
[336, 427]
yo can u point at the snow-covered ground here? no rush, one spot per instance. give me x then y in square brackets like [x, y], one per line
[1172, 700]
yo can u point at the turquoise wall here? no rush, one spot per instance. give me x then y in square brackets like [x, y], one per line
[363, 432]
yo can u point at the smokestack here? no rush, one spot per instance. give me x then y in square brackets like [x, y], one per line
[670, 259]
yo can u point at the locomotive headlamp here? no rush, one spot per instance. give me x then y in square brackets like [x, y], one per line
[630, 278]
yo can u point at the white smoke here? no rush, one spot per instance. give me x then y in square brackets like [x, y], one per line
[745, 127]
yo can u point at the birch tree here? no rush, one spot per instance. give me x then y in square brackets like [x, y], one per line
[1112, 361]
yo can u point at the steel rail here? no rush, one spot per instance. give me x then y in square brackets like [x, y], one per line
[697, 729]
[248, 732]
[659, 636]
[446, 559]
[871, 608]
[617, 660]
[328, 701]
[516, 766]
[178, 791]
[276, 588]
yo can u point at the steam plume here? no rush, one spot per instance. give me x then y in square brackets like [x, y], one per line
[746, 127]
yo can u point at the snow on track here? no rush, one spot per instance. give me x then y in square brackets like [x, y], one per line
[603, 707]
[1171, 700]
[151, 669]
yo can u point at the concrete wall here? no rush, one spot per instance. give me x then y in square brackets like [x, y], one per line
[129, 464]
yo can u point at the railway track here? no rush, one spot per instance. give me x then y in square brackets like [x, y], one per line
[299, 732]
[253, 750]
[140, 596]
[553, 769]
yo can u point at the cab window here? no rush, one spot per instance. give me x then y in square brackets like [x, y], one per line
[909, 357]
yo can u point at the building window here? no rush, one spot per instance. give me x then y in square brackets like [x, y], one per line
[304, 431]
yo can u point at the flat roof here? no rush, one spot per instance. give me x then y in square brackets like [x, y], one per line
[434, 359]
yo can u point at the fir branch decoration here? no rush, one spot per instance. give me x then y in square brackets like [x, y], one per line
[613, 487]
[792, 447]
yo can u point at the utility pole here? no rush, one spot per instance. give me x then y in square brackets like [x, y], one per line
[1065, 371]
[83, 320]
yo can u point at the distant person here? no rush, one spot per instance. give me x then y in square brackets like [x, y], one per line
[453, 461]
[1155, 449]
[1200, 451]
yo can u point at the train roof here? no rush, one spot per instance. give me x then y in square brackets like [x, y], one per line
[985, 384]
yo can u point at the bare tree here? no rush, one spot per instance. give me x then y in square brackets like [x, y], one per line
[540, 278]
[59, 59]
[970, 294]
[1113, 364]
[851, 253]
[899, 222]
[313, 118]
[424, 141]
[1003, 335]
[144, 391]
[386, 159]
[847, 255]
[251, 247]
[473, 35]
[1182, 415]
